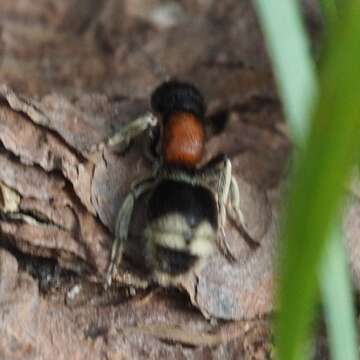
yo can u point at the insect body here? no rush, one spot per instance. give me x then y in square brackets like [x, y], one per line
[188, 204]
[181, 229]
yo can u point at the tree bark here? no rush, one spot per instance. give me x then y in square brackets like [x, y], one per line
[74, 72]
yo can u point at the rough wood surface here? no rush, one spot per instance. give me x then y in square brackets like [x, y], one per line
[72, 73]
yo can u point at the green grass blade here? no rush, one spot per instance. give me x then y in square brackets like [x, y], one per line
[336, 290]
[331, 144]
[289, 50]
[335, 278]
[318, 186]
[330, 12]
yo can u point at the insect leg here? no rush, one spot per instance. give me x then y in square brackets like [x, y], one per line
[123, 137]
[219, 169]
[228, 201]
[235, 213]
[123, 223]
[223, 189]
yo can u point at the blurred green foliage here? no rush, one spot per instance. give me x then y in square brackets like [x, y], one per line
[328, 139]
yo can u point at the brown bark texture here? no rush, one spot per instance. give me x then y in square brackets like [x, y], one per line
[72, 73]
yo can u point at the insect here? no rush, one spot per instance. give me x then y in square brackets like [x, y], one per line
[188, 204]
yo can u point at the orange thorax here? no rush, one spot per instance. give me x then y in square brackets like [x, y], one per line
[184, 139]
